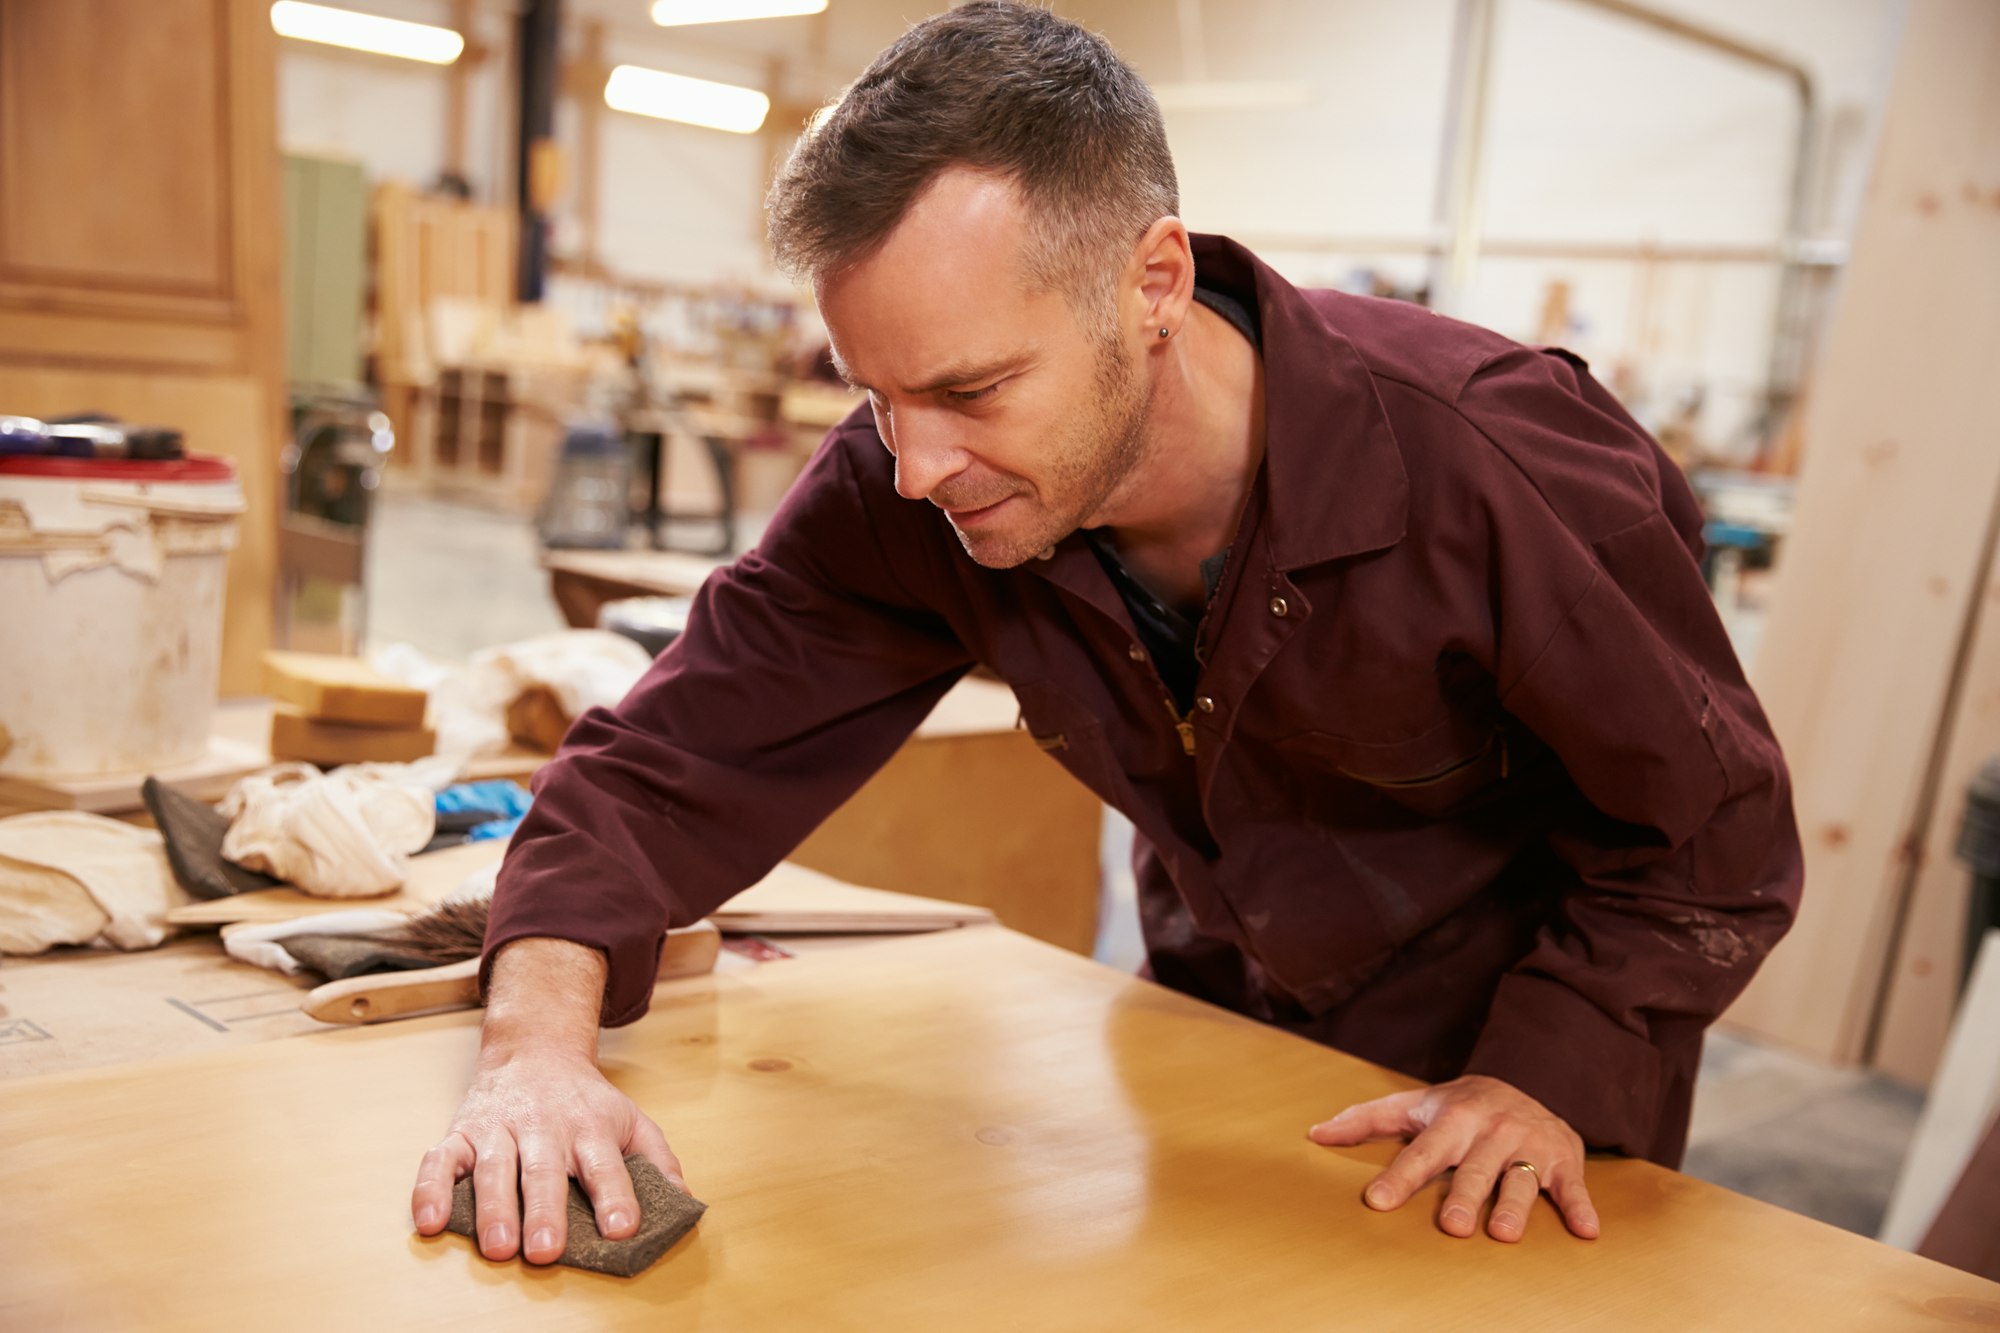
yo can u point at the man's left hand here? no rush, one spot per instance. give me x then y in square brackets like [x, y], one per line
[1483, 1127]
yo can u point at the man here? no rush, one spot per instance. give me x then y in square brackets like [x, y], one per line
[1386, 632]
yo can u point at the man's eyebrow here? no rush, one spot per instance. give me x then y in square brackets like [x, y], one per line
[962, 372]
[972, 372]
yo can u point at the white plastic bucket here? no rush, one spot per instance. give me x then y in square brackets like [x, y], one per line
[111, 595]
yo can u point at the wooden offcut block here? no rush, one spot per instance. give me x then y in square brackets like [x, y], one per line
[329, 744]
[342, 689]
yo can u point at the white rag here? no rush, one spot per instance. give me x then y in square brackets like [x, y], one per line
[583, 668]
[263, 945]
[344, 834]
[67, 877]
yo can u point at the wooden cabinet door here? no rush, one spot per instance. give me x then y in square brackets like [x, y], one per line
[140, 241]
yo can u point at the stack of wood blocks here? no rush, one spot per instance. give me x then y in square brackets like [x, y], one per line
[338, 710]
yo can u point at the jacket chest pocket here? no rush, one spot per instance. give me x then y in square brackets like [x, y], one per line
[1461, 760]
[1066, 731]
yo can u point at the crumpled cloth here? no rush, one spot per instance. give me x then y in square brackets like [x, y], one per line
[581, 669]
[265, 945]
[344, 834]
[67, 877]
[193, 832]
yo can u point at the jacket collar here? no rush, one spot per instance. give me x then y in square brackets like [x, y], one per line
[1334, 479]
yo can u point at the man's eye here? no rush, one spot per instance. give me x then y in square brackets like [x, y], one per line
[972, 395]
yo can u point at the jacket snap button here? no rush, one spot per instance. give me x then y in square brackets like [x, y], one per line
[1136, 653]
[1205, 704]
[1279, 606]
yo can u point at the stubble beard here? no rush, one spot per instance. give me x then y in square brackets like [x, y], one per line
[1095, 457]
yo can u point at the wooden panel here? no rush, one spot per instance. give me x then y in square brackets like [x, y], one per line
[964, 1130]
[118, 340]
[926, 823]
[425, 249]
[114, 150]
[1871, 606]
[1923, 983]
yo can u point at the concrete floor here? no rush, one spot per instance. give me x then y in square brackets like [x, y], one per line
[1821, 1141]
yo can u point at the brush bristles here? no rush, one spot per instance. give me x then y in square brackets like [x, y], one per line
[451, 932]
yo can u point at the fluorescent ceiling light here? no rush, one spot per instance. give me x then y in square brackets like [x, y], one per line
[366, 32]
[673, 13]
[716, 106]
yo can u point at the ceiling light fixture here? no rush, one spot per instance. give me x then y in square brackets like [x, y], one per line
[715, 106]
[675, 13]
[366, 32]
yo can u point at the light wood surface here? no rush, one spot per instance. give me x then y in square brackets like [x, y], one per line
[983, 818]
[1923, 977]
[342, 689]
[965, 1130]
[207, 778]
[791, 900]
[85, 1008]
[294, 735]
[1885, 569]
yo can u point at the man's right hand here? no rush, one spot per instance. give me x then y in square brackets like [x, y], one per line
[539, 1112]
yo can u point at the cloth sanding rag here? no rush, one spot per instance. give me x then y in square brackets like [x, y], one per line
[193, 832]
[665, 1215]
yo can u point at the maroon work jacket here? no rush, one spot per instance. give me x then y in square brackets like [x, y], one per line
[1476, 782]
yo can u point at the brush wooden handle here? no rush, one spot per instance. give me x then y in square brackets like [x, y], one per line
[687, 952]
[383, 995]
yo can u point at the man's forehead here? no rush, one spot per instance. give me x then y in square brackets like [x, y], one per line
[943, 298]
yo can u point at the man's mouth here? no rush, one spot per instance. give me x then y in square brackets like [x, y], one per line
[976, 514]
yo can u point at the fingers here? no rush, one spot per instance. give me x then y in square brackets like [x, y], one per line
[651, 1144]
[496, 1214]
[544, 1199]
[442, 1167]
[1579, 1214]
[1471, 1186]
[1430, 1153]
[602, 1171]
[1519, 1188]
[1390, 1117]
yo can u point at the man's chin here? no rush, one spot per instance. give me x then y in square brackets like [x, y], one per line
[1003, 550]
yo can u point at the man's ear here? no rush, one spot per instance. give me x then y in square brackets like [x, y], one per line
[1160, 279]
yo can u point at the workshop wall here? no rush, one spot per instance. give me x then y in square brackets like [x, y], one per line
[1601, 131]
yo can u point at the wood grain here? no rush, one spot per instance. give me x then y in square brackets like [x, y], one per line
[164, 227]
[966, 1130]
[342, 689]
[1922, 984]
[1883, 569]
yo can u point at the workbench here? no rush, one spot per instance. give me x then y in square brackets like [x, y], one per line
[964, 1130]
[922, 824]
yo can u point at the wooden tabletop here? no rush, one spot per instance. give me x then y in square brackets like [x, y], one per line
[967, 1130]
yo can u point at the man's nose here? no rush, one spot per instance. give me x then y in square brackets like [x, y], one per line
[927, 454]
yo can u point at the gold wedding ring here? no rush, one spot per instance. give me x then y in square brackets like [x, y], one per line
[1529, 1167]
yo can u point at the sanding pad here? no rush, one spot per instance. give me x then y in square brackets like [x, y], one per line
[665, 1215]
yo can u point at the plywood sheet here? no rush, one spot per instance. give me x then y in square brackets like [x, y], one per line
[1878, 580]
[965, 1130]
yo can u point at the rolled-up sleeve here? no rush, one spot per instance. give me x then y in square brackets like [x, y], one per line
[803, 667]
[1609, 649]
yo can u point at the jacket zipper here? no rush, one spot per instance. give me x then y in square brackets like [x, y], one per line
[1184, 725]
